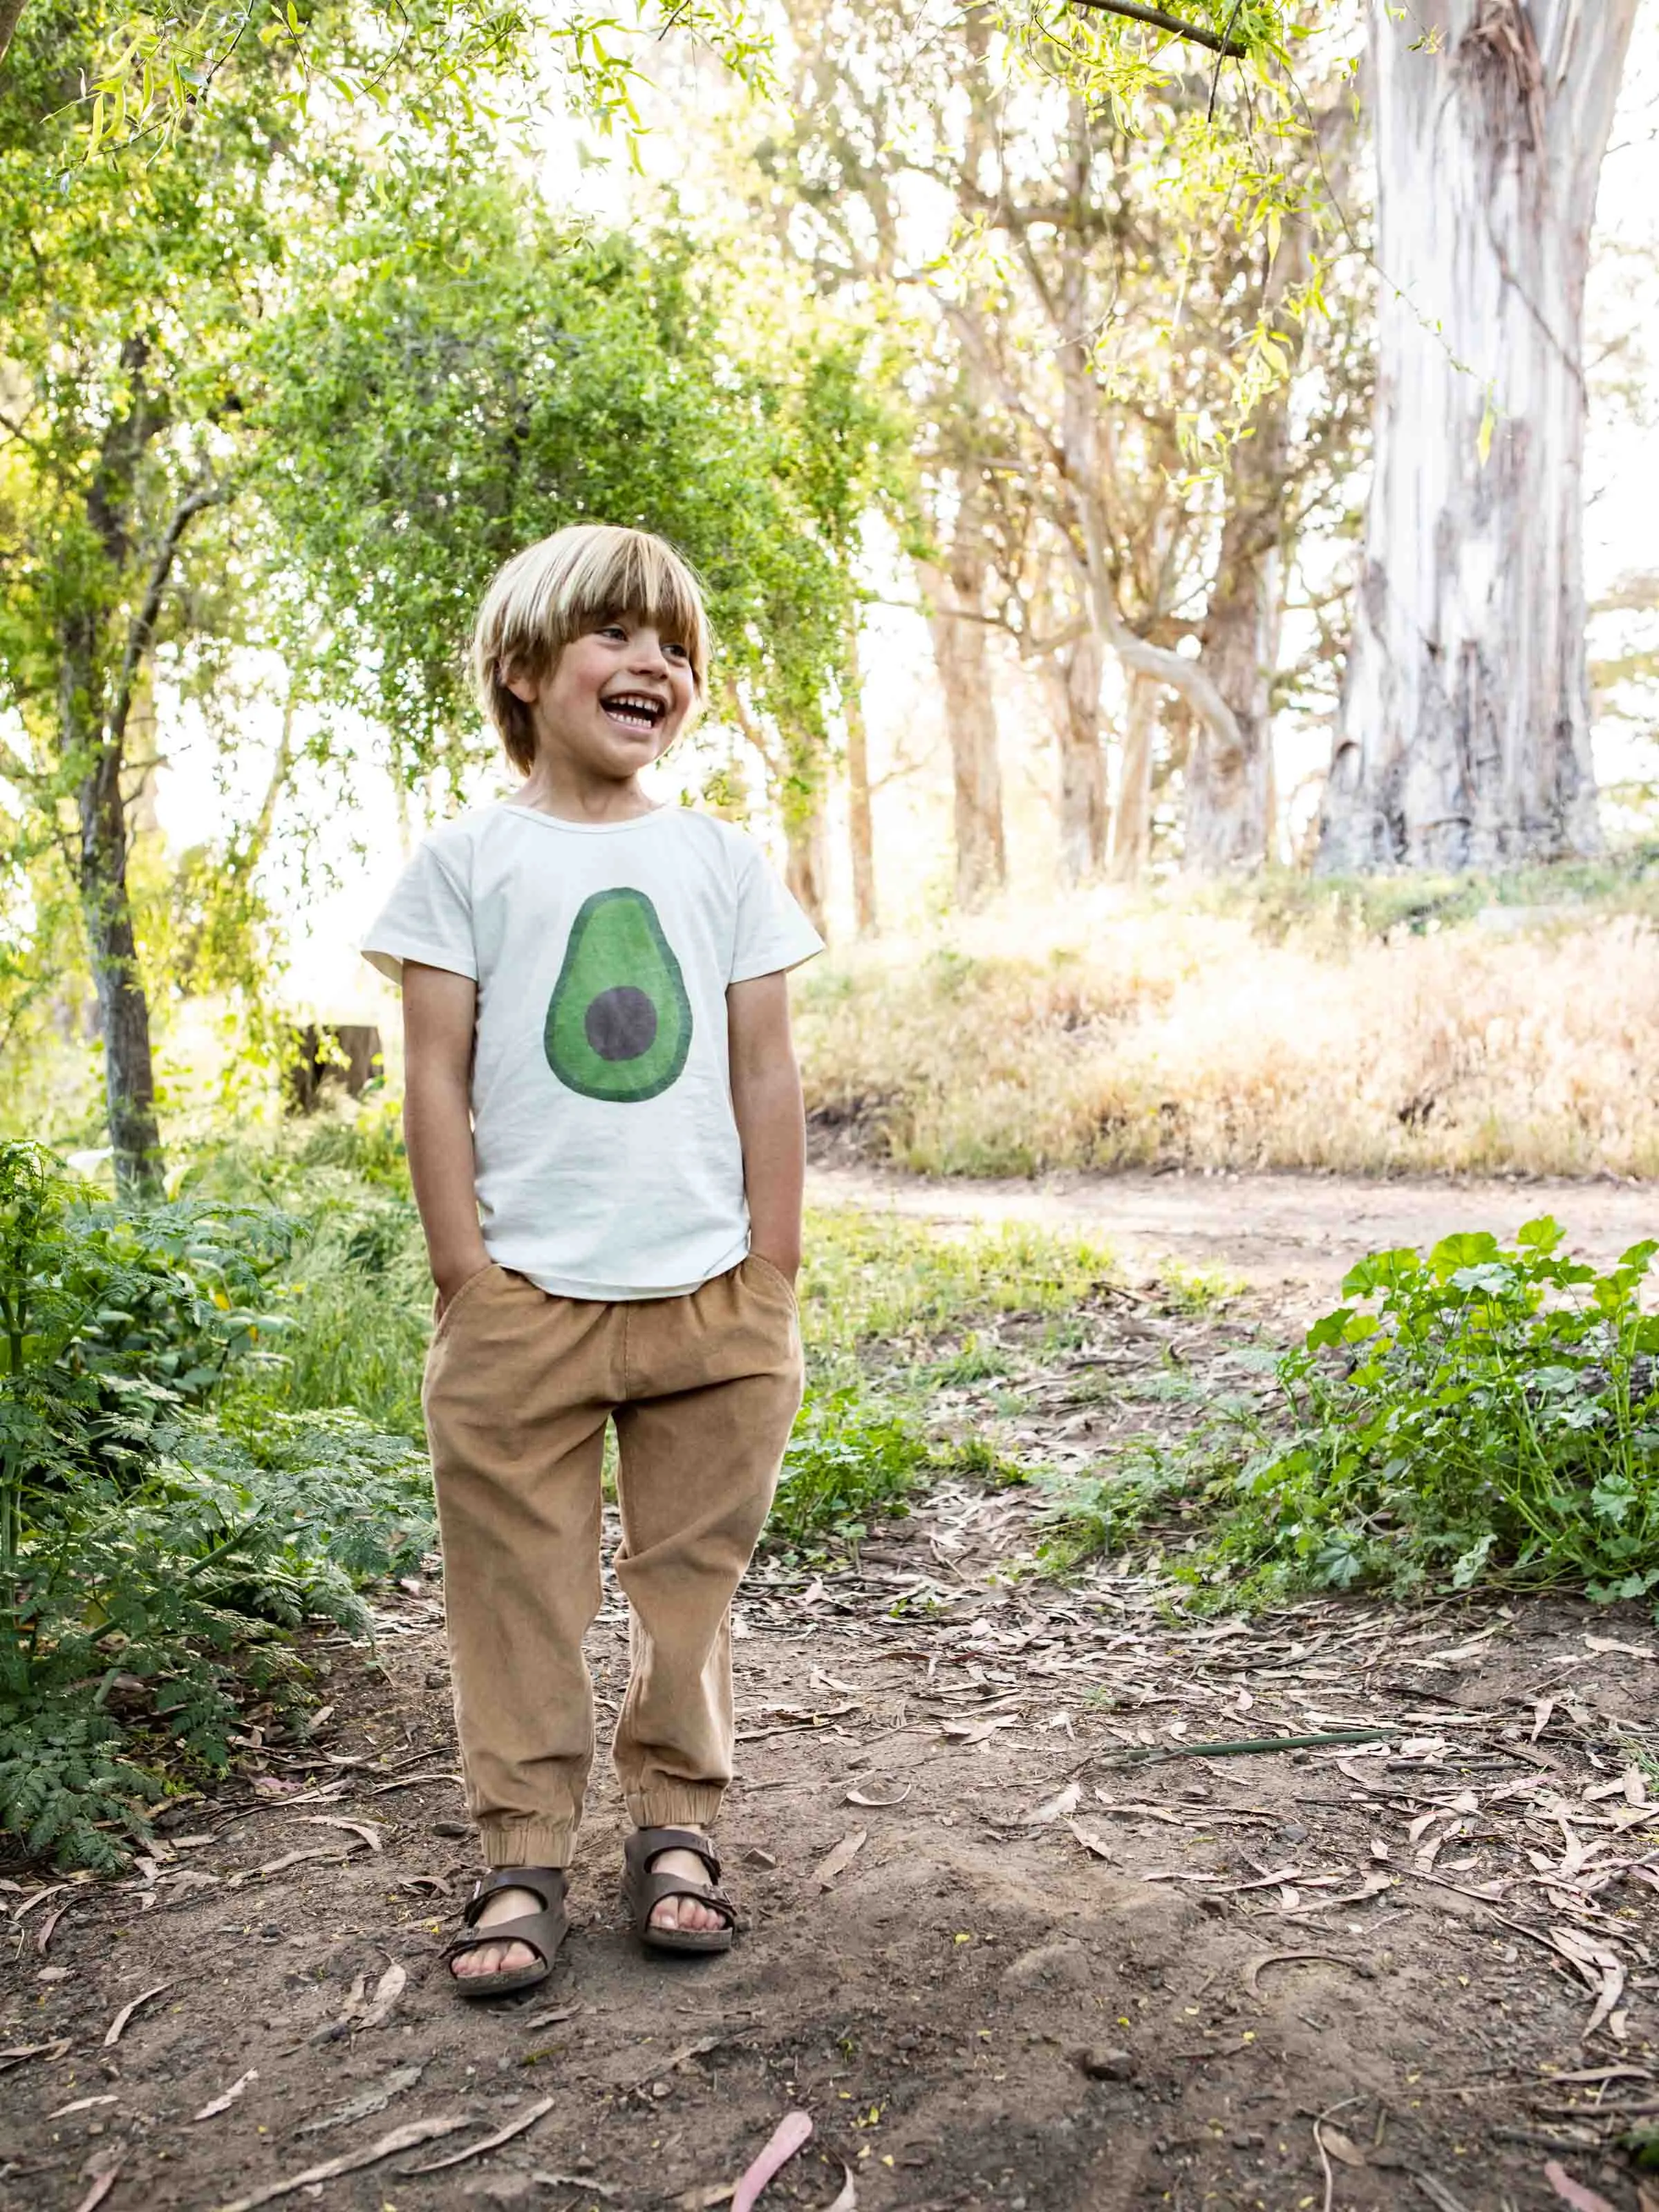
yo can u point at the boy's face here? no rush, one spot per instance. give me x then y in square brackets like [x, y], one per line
[615, 700]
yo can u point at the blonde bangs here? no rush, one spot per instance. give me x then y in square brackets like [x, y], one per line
[561, 589]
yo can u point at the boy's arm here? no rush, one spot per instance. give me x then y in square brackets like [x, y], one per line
[439, 1010]
[771, 1122]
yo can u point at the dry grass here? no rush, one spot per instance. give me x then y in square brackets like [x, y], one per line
[1112, 1033]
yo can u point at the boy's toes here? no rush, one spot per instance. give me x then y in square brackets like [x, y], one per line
[494, 1959]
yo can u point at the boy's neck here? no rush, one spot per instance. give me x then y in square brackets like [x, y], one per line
[569, 794]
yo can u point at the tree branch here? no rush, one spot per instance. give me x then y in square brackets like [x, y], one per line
[141, 628]
[1173, 24]
[9, 12]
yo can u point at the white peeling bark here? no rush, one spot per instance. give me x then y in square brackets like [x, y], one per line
[955, 620]
[1464, 737]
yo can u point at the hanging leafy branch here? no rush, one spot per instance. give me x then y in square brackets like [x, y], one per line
[159, 68]
[1160, 20]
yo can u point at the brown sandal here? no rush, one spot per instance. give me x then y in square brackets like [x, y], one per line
[643, 1890]
[542, 1931]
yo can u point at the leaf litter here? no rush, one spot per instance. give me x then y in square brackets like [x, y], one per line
[1532, 1805]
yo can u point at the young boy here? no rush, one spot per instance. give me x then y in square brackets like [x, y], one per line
[606, 1141]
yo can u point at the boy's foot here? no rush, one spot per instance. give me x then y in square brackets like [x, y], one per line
[526, 1904]
[498, 1958]
[684, 1912]
[671, 1879]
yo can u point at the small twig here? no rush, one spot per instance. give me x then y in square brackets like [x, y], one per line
[1156, 1753]
[1173, 24]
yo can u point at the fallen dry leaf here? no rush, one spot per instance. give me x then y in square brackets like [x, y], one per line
[387, 1991]
[82, 2104]
[366, 2103]
[1255, 1968]
[1574, 2192]
[793, 2131]
[556, 2018]
[370, 1836]
[518, 2125]
[1056, 1807]
[847, 2196]
[837, 1860]
[20, 2053]
[223, 2104]
[1342, 2149]
[875, 1804]
[1090, 1838]
[404, 2138]
[118, 2026]
[100, 2187]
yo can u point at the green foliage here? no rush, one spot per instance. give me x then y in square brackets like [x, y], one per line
[1483, 1413]
[459, 375]
[149, 1549]
[849, 1462]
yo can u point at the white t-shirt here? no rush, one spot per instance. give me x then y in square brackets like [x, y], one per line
[606, 1149]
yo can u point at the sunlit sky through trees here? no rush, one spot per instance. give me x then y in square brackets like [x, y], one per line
[356, 847]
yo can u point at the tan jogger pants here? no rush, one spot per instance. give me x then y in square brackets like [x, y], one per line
[518, 1386]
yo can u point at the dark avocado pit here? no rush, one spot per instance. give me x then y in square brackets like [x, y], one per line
[619, 1022]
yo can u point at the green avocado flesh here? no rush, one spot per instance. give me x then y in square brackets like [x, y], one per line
[619, 1023]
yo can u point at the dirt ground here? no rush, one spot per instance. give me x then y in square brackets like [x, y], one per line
[1291, 1236]
[1006, 1939]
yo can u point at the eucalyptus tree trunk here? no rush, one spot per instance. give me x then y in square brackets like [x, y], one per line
[955, 600]
[1464, 735]
[1228, 786]
[1083, 800]
[11, 13]
[860, 828]
[807, 862]
[1131, 820]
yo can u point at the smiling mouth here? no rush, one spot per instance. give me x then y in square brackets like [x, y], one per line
[635, 710]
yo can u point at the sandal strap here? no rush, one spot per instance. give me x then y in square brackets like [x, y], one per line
[649, 1891]
[647, 1844]
[549, 1883]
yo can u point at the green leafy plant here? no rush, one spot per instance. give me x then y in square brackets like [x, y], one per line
[152, 1552]
[1481, 1413]
[850, 1461]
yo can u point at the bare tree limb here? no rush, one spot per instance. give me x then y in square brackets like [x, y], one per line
[141, 628]
[1173, 24]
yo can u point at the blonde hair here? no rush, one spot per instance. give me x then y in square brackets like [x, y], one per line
[559, 590]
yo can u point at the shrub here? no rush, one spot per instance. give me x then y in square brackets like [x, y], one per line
[1484, 1413]
[149, 1551]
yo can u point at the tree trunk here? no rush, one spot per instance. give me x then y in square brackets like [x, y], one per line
[807, 871]
[859, 827]
[1132, 824]
[1464, 735]
[955, 607]
[1083, 801]
[1227, 788]
[10, 11]
[128, 1074]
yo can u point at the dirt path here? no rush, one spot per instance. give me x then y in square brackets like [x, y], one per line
[1292, 1236]
[1045, 1979]
[1004, 1943]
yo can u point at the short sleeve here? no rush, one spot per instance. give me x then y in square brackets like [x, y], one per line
[772, 933]
[427, 918]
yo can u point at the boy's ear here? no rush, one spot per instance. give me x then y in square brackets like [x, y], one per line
[525, 689]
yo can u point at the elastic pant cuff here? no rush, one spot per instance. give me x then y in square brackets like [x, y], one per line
[678, 1805]
[527, 1843]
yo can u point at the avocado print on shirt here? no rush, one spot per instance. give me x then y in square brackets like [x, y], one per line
[619, 1021]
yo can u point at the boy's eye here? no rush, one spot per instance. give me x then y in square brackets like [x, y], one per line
[678, 651]
[614, 630]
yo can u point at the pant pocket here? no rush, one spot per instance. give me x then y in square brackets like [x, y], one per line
[443, 1321]
[763, 1269]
